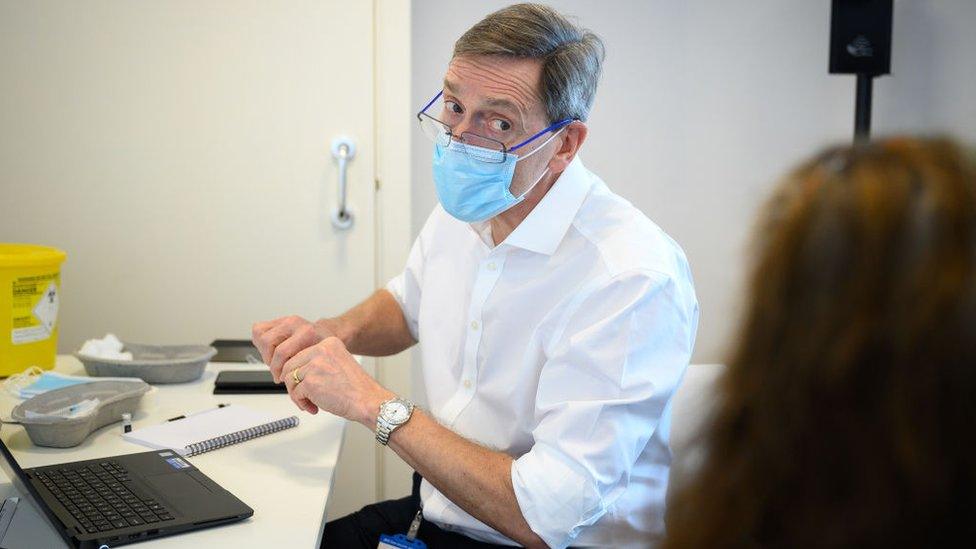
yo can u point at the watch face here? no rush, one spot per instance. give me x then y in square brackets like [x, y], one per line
[396, 412]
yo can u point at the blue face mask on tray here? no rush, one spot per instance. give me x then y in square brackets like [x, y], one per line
[34, 381]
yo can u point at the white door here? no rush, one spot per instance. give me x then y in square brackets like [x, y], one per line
[179, 152]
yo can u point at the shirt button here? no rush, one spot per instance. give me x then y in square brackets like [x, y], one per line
[467, 383]
[474, 325]
[492, 266]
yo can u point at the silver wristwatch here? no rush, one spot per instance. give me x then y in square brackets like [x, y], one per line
[393, 413]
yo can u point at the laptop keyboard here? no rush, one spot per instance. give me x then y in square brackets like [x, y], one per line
[101, 497]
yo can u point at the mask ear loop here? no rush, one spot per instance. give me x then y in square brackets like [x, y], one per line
[521, 197]
[542, 146]
[16, 382]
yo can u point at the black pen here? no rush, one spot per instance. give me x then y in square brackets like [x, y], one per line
[184, 416]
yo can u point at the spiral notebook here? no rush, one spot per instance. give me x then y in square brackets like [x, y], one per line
[210, 430]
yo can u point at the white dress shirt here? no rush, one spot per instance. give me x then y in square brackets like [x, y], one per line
[562, 347]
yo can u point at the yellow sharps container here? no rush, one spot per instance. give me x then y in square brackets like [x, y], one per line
[30, 295]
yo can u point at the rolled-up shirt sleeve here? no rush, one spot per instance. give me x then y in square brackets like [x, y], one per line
[613, 362]
[406, 286]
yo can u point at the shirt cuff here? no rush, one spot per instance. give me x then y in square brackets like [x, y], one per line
[396, 287]
[555, 495]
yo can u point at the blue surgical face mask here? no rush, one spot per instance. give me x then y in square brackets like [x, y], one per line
[472, 190]
[35, 381]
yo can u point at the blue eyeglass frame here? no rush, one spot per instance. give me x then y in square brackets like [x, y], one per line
[505, 150]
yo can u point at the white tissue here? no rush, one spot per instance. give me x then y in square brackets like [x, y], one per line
[107, 347]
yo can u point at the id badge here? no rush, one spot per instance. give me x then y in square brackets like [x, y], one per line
[400, 541]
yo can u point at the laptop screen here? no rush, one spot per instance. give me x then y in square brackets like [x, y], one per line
[10, 466]
[16, 475]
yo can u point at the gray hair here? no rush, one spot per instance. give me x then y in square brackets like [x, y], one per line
[571, 56]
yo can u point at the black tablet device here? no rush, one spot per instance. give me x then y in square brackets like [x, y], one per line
[247, 382]
[234, 350]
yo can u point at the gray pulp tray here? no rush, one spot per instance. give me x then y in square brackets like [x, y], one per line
[153, 363]
[116, 397]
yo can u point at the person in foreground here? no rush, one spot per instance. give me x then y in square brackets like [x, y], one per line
[555, 320]
[845, 418]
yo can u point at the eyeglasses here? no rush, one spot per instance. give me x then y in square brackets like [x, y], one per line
[477, 147]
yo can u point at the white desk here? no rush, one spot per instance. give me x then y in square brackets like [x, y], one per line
[285, 477]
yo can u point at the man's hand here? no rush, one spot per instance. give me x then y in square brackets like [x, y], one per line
[474, 477]
[282, 338]
[332, 380]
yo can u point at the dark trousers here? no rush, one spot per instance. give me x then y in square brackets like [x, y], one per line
[363, 528]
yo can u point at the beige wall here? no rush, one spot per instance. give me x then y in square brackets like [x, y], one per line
[178, 151]
[704, 103]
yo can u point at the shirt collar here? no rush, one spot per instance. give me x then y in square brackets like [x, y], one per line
[543, 229]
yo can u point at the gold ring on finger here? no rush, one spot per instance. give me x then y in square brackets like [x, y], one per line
[295, 377]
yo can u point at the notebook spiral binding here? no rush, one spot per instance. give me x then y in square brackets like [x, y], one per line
[240, 436]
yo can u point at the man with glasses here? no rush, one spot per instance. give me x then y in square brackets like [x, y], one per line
[555, 319]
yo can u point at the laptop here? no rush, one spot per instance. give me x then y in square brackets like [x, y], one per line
[124, 499]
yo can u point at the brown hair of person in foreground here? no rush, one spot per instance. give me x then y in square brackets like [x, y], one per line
[847, 416]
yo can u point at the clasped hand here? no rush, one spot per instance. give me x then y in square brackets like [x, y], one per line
[331, 378]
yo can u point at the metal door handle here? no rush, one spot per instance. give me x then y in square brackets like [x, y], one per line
[343, 150]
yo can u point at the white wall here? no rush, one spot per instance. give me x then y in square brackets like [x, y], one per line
[178, 151]
[704, 103]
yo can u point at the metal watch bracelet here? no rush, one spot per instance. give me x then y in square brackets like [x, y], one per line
[384, 427]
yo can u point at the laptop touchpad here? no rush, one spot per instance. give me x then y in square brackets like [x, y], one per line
[181, 489]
